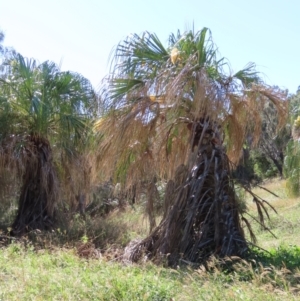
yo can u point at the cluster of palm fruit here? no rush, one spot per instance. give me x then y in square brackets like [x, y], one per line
[174, 55]
[296, 129]
[297, 123]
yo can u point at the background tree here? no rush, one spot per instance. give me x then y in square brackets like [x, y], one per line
[4, 51]
[273, 142]
[43, 118]
[1, 42]
[180, 114]
[267, 159]
[292, 157]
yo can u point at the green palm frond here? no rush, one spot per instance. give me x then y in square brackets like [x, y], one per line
[40, 93]
[120, 87]
[248, 75]
[145, 48]
[138, 53]
[136, 62]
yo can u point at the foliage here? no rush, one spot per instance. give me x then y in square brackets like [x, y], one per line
[273, 142]
[262, 165]
[294, 106]
[265, 160]
[292, 168]
[291, 160]
[282, 256]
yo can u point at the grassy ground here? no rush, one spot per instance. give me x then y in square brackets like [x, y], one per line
[62, 275]
[59, 273]
[285, 224]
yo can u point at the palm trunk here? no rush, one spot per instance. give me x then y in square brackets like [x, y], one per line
[152, 196]
[202, 217]
[39, 188]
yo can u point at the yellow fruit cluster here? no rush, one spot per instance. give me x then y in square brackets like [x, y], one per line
[174, 55]
[159, 99]
[98, 124]
[297, 123]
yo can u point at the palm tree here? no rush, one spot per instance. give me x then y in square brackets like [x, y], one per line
[43, 116]
[180, 114]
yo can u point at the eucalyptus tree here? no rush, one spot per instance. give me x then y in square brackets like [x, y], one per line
[44, 115]
[179, 113]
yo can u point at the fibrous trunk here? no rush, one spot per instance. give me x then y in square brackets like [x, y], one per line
[201, 217]
[39, 188]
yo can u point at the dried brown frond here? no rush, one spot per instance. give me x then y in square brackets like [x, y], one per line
[248, 225]
[257, 98]
[203, 217]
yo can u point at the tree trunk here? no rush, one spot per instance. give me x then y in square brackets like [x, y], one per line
[81, 200]
[152, 197]
[202, 217]
[39, 189]
[279, 166]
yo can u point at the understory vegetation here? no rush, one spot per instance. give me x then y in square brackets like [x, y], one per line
[79, 266]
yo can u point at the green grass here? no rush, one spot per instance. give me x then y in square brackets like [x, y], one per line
[61, 275]
[52, 269]
[285, 225]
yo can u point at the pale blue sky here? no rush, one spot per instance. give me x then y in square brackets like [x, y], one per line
[82, 33]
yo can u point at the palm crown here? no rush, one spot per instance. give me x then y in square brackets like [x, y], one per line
[171, 113]
[155, 94]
